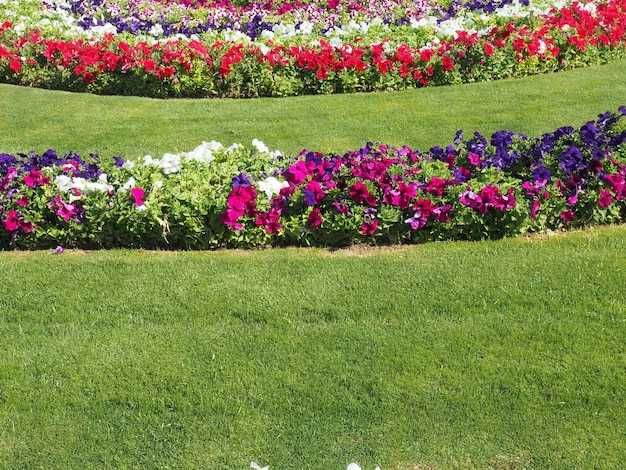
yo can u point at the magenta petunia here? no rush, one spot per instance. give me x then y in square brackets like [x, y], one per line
[315, 219]
[606, 198]
[361, 195]
[138, 194]
[568, 215]
[12, 222]
[270, 220]
[368, 228]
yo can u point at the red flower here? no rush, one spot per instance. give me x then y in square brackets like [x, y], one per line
[22, 201]
[436, 186]
[15, 65]
[426, 55]
[35, 177]
[447, 64]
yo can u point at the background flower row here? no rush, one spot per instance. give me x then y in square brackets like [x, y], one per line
[415, 55]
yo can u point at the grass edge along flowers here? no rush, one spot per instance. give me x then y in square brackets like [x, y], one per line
[578, 34]
[212, 197]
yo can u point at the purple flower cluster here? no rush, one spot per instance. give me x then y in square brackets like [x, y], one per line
[486, 6]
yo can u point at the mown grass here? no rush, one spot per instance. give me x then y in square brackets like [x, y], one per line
[33, 119]
[506, 354]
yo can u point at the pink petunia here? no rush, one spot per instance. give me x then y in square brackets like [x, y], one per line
[22, 201]
[315, 219]
[138, 194]
[606, 198]
[361, 195]
[12, 222]
[568, 216]
[368, 228]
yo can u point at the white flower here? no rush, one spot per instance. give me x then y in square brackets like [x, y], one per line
[102, 185]
[79, 183]
[236, 36]
[306, 27]
[257, 467]
[276, 154]
[260, 146]
[265, 34]
[354, 466]
[233, 147]
[102, 30]
[156, 30]
[203, 153]
[271, 186]
[336, 42]
[63, 182]
[131, 183]
[170, 163]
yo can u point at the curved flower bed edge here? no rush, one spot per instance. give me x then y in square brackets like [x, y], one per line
[217, 197]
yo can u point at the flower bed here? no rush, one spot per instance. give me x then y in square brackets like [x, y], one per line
[214, 196]
[196, 49]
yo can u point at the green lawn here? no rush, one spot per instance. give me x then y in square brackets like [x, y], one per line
[33, 119]
[508, 354]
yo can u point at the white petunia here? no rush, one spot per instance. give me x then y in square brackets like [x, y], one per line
[306, 27]
[271, 186]
[260, 146]
[156, 30]
[256, 466]
[265, 34]
[233, 147]
[170, 163]
[276, 154]
[336, 42]
[63, 182]
[131, 183]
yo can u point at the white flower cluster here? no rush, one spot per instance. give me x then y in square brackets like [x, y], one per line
[67, 183]
[172, 162]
